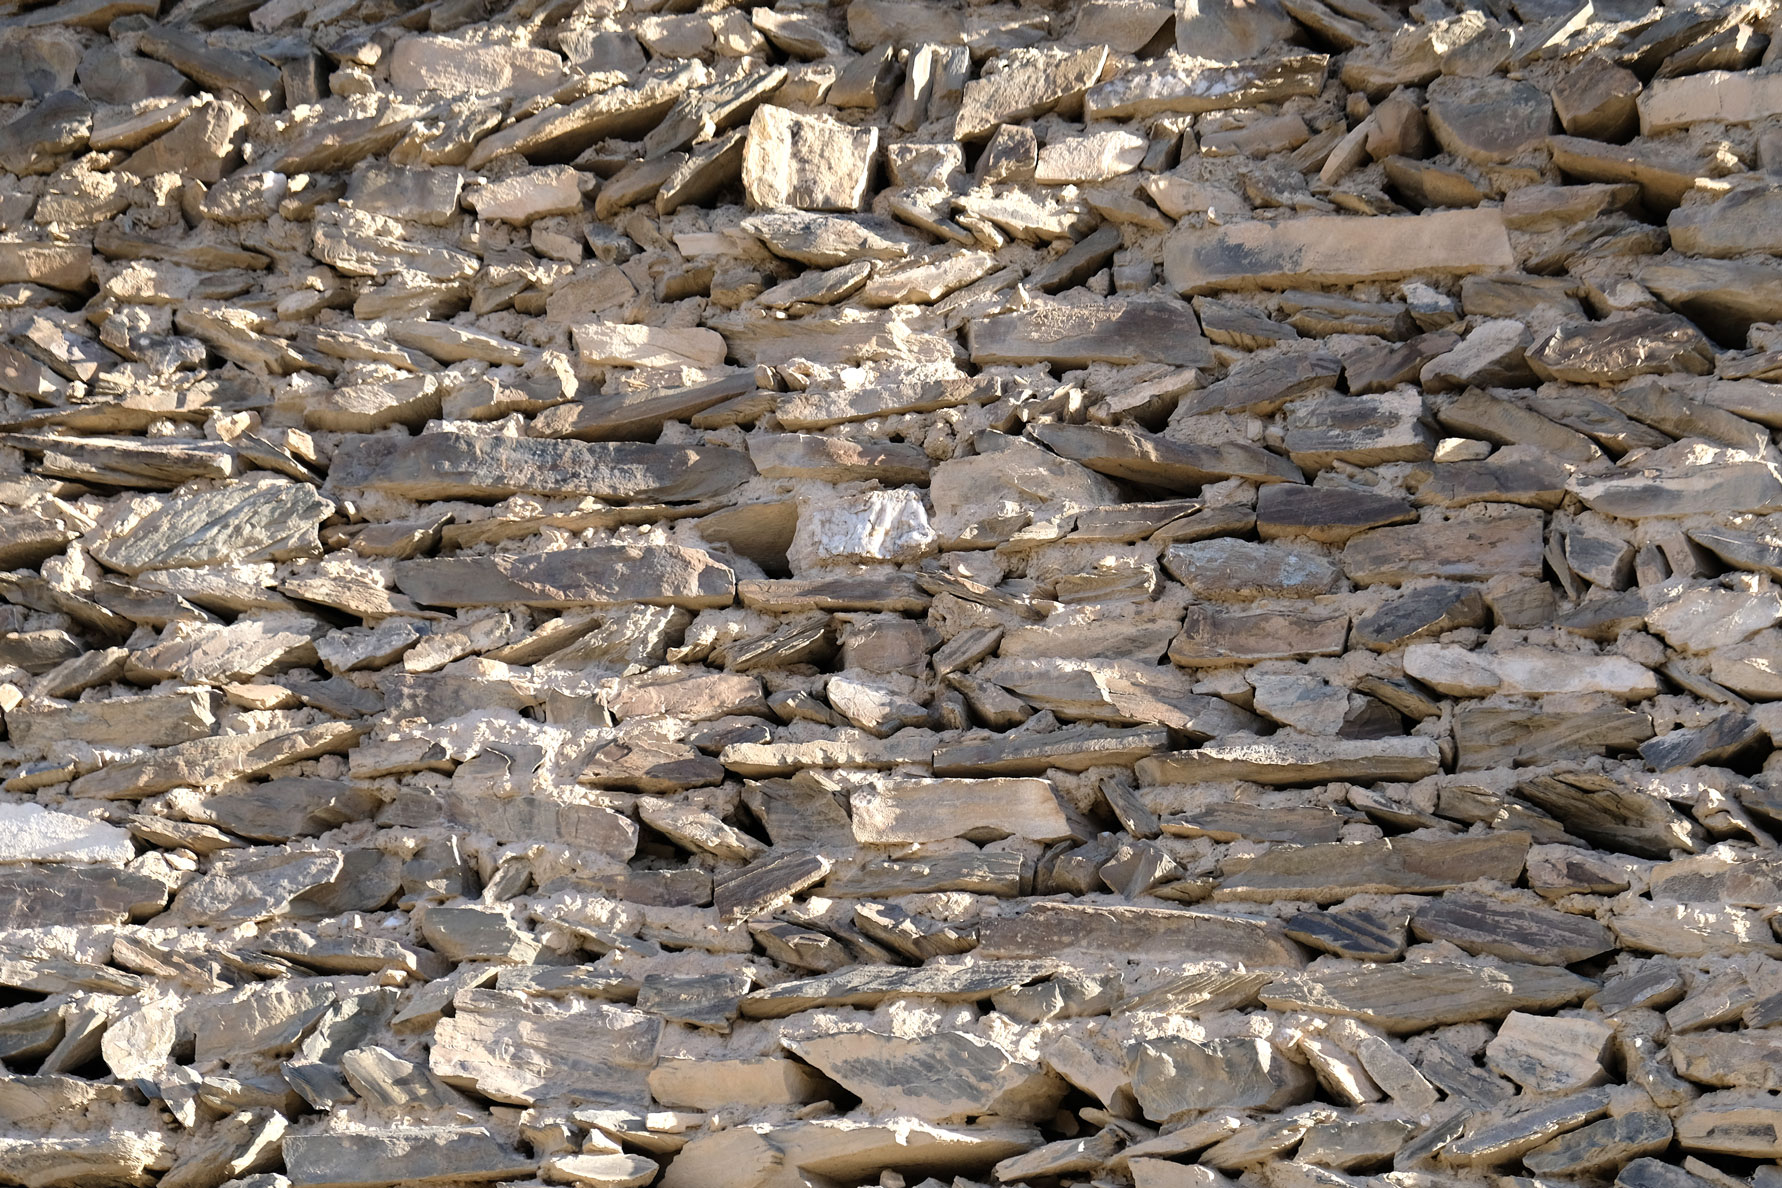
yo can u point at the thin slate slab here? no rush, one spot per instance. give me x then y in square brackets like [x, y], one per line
[477, 466]
[1410, 997]
[599, 575]
[1411, 864]
[869, 985]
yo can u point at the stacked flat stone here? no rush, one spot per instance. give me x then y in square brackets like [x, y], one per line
[890, 592]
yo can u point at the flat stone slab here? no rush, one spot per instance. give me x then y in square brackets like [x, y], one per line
[1114, 933]
[600, 575]
[1415, 996]
[418, 1155]
[1116, 331]
[869, 985]
[1333, 250]
[477, 466]
[1333, 871]
[1284, 759]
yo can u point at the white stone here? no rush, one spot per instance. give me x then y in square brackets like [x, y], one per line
[1544, 1054]
[809, 162]
[32, 833]
[455, 67]
[1707, 617]
[523, 197]
[1532, 672]
[1096, 157]
[613, 344]
[877, 526]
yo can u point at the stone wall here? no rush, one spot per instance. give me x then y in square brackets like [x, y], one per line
[890, 593]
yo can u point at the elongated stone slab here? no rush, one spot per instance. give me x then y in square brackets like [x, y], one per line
[934, 810]
[600, 575]
[474, 466]
[416, 1155]
[1157, 461]
[1333, 250]
[1410, 997]
[1117, 331]
[1118, 933]
[1333, 871]
[1071, 749]
[869, 985]
[271, 521]
[1286, 759]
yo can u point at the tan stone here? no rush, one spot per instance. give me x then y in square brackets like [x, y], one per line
[1330, 250]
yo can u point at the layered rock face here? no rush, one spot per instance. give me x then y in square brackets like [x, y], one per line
[890, 592]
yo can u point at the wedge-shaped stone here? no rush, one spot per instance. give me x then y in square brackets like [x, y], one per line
[255, 885]
[1118, 330]
[1532, 672]
[466, 466]
[1493, 736]
[1491, 927]
[1264, 385]
[1622, 348]
[1415, 996]
[977, 810]
[1411, 864]
[515, 1048]
[639, 416]
[869, 985]
[1161, 461]
[560, 131]
[599, 575]
[1114, 933]
[1466, 548]
[1186, 84]
[1173, 1076]
[1331, 250]
[417, 1155]
[1075, 748]
[945, 1077]
[243, 522]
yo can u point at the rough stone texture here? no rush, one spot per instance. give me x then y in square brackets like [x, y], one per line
[1135, 593]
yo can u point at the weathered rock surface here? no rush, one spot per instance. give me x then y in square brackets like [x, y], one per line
[1139, 592]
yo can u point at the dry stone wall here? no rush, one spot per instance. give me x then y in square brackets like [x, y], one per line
[803, 595]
